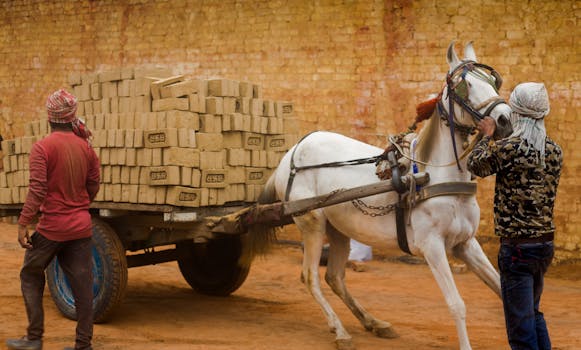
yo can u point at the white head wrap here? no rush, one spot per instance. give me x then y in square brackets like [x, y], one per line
[530, 105]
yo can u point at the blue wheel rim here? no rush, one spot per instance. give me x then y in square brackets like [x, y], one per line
[64, 288]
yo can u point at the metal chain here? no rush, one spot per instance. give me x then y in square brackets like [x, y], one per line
[368, 209]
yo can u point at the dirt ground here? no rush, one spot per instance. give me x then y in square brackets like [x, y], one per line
[272, 309]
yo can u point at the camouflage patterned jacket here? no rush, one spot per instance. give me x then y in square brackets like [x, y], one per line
[525, 193]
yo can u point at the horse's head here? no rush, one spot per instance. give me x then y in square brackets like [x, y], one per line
[471, 92]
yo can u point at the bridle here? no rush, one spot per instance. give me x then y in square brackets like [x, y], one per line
[457, 92]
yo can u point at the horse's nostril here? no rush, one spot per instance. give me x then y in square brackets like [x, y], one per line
[503, 127]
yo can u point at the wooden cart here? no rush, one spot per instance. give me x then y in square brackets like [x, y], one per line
[206, 242]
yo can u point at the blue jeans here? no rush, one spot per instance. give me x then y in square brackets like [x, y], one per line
[522, 269]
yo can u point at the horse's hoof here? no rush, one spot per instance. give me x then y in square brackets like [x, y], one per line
[344, 344]
[384, 330]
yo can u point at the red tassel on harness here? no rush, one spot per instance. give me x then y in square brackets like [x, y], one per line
[425, 109]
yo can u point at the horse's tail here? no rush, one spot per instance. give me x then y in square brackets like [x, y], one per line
[260, 237]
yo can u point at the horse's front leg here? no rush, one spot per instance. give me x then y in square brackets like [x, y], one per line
[471, 253]
[312, 227]
[335, 277]
[435, 255]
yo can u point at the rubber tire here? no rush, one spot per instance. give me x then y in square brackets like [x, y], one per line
[109, 276]
[212, 268]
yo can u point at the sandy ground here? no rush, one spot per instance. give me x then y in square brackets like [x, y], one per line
[272, 309]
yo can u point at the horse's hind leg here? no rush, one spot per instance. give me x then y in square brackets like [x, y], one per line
[471, 253]
[335, 277]
[312, 226]
[435, 255]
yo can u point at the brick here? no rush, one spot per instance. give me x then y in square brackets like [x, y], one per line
[284, 109]
[141, 104]
[211, 160]
[160, 195]
[257, 176]
[277, 142]
[183, 88]
[87, 107]
[181, 157]
[197, 103]
[123, 88]
[146, 194]
[236, 122]
[125, 105]
[275, 125]
[134, 173]
[115, 174]
[110, 75]
[89, 78]
[236, 175]
[246, 89]
[82, 92]
[96, 91]
[130, 156]
[186, 176]
[257, 91]
[160, 138]
[96, 106]
[242, 105]
[182, 120]
[196, 177]
[111, 138]
[144, 156]
[143, 86]
[186, 138]
[256, 107]
[209, 141]
[183, 196]
[157, 85]
[164, 175]
[138, 139]
[114, 104]
[105, 105]
[125, 175]
[119, 138]
[166, 104]
[127, 73]
[269, 108]
[235, 156]
[273, 159]
[228, 105]
[258, 158]
[219, 87]
[109, 89]
[105, 156]
[238, 139]
[127, 120]
[157, 156]
[214, 178]
[214, 105]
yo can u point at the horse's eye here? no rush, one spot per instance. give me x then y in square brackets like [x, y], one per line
[469, 84]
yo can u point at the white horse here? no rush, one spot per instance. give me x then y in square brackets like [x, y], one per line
[436, 226]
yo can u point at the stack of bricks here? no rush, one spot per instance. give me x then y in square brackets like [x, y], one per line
[164, 139]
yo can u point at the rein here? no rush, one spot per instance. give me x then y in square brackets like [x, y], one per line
[295, 169]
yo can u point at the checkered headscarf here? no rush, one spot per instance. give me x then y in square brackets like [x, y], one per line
[61, 107]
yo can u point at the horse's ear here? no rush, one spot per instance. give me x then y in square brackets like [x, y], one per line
[451, 57]
[469, 53]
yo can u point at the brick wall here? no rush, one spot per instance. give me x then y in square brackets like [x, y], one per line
[355, 67]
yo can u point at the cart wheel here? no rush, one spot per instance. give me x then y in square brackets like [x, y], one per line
[212, 268]
[109, 276]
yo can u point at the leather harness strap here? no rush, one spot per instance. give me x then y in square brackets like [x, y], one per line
[442, 189]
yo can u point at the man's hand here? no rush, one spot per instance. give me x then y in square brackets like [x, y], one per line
[23, 237]
[487, 126]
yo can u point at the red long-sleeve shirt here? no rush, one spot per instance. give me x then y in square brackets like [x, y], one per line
[64, 179]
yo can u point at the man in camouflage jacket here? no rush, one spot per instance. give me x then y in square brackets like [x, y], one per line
[527, 165]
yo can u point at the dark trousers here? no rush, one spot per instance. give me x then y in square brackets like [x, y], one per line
[75, 258]
[522, 269]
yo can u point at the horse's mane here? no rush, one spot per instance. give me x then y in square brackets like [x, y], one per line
[425, 111]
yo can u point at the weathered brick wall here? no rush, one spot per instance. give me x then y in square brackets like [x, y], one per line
[355, 67]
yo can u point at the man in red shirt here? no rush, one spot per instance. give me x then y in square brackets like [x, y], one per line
[64, 179]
